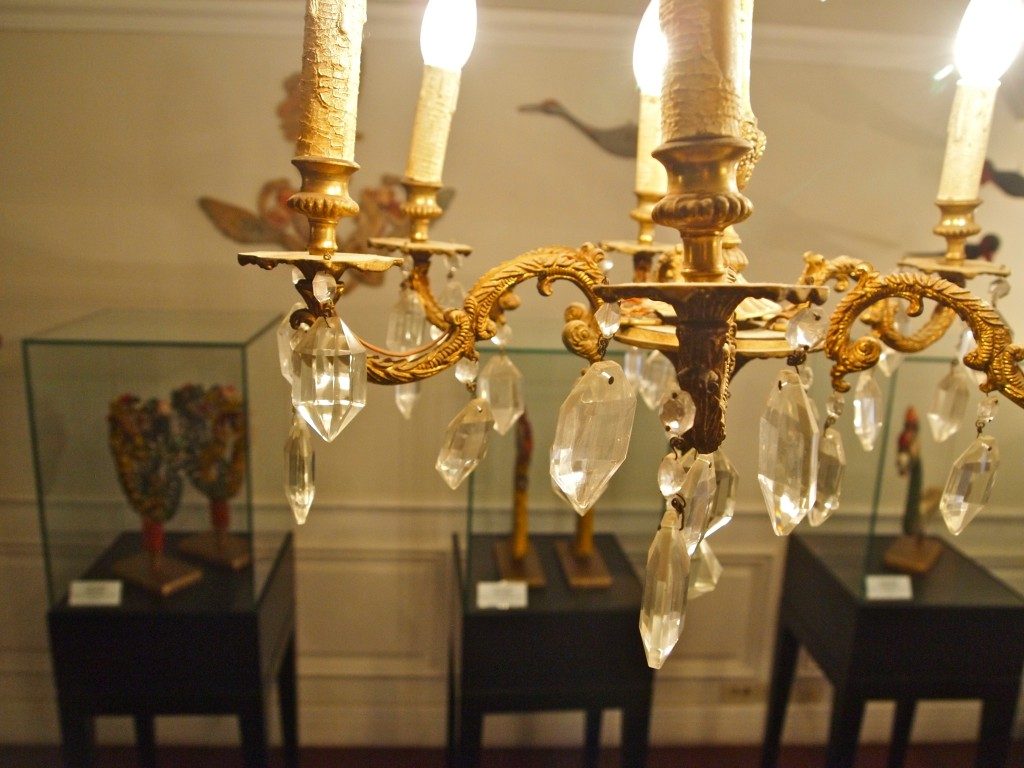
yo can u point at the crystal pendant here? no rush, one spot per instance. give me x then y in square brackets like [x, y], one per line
[299, 469]
[503, 336]
[633, 366]
[807, 328]
[788, 454]
[970, 483]
[705, 571]
[698, 494]
[831, 466]
[889, 360]
[465, 442]
[806, 374]
[671, 473]
[465, 370]
[501, 385]
[949, 403]
[677, 413]
[324, 286]
[406, 397]
[608, 317]
[328, 376]
[986, 410]
[592, 434]
[726, 479]
[834, 405]
[998, 289]
[287, 338]
[663, 606]
[406, 322]
[657, 379]
[452, 296]
[867, 410]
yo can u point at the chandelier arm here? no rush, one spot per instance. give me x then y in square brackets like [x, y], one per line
[841, 270]
[995, 354]
[885, 326]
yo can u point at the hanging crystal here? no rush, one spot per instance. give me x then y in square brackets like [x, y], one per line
[889, 360]
[465, 370]
[299, 469]
[671, 474]
[698, 498]
[867, 410]
[465, 442]
[663, 606]
[608, 318]
[503, 336]
[705, 571]
[834, 405]
[287, 338]
[986, 410]
[592, 434]
[633, 366]
[831, 466]
[949, 403]
[806, 374]
[726, 479]
[328, 376]
[677, 413]
[324, 287]
[406, 397]
[657, 379]
[807, 328]
[998, 289]
[406, 322]
[788, 453]
[970, 483]
[501, 385]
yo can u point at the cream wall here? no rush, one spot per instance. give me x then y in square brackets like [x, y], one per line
[117, 117]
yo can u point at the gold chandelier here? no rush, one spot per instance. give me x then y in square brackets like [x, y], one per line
[698, 144]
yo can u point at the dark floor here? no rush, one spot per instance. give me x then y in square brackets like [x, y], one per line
[869, 756]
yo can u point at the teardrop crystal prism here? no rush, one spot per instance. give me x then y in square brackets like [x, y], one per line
[663, 606]
[671, 474]
[453, 295]
[465, 442]
[970, 483]
[503, 336]
[889, 360]
[698, 495]
[406, 322]
[949, 403]
[287, 338]
[867, 410]
[608, 318]
[726, 480]
[807, 328]
[592, 434]
[328, 376]
[299, 469]
[788, 454]
[986, 410]
[406, 397]
[677, 413]
[501, 384]
[466, 370]
[705, 571]
[831, 466]
[633, 366]
[657, 379]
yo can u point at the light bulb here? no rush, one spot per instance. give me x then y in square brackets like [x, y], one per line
[448, 33]
[650, 52]
[988, 40]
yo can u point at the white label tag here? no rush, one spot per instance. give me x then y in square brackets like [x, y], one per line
[501, 594]
[888, 587]
[94, 593]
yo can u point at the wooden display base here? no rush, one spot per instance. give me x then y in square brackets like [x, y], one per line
[528, 569]
[583, 572]
[220, 549]
[171, 576]
[912, 554]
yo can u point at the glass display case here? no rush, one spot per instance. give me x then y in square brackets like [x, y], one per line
[141, 426]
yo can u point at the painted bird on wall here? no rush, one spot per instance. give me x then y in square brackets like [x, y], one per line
[619, 140]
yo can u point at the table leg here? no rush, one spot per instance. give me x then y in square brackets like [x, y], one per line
[996, 728]
[847, 716]
[252, 723]
[636, 723]
[145, 740]
[288, 704]
[592, 739]
[902, 722]
[783, 671]
[78, 734]
[471, 727]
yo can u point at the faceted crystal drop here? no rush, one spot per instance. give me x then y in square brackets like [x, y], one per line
[406, 322]
[834, 404]
[867, 410]
[501, 385]
[657, 379]
[788, 454]
[889, 360]
[831, 466]
[299, 469]
[465, 370]
[633, 365]
[328, 376]
[970, 483]
[406, 397]
[663, 606]
[671, 474]
[465, 442]
[705, 571]
[949, 403]
[807, 328]
[452, 296]
[503, 337]
[967, 342]
[986, 410]
[592, 434]
[698, 494]
[324, 286]
[677, 413]
[998, 289]
[806, 375]
[608, 317]
[287, 337]
[726, 479]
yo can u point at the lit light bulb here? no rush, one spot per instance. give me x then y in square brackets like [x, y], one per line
[988, 40]
[650, 52]
[448, 33]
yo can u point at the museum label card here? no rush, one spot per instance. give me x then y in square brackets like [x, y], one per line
[501, 594]
[888, 587]
[94, 593]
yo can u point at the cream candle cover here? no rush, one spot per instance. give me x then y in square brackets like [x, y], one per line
[650, 173]
[967, 141]
[329, 86]
[708, 72]
[439, 93]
